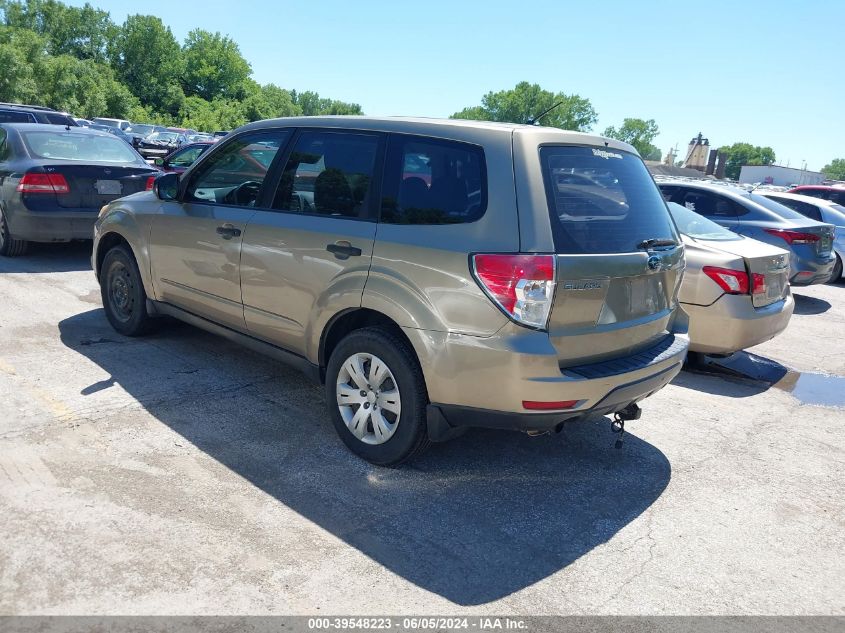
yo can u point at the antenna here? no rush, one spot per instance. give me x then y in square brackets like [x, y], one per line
[533, 120]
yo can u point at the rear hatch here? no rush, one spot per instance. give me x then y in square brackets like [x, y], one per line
[92, 186]
[619, 257]
[763, 260]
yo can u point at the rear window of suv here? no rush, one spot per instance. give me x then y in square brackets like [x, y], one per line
[602, 200]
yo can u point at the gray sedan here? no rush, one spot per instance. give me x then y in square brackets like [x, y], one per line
[809, 243]
[823, 211]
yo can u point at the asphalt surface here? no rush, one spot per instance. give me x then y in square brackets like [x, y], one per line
[181, 474]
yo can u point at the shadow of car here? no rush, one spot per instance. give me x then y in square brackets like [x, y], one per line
[473, 520]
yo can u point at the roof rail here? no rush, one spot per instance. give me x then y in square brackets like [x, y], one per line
[26, 105]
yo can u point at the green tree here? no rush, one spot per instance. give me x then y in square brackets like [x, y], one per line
[835, 169]
[526, 101]
[82, 32]
[83, 87]
[148, 59]
[639, 133]
[214, 66]
[311, 104]
[740, 154]
[267, 102]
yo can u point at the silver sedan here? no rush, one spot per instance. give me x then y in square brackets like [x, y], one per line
[735, 289]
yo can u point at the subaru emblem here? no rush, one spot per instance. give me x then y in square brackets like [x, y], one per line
[654, 262]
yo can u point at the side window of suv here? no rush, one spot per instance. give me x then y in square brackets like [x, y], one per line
[14, 116]
[236, 173]
[432, 181]
[330, 173]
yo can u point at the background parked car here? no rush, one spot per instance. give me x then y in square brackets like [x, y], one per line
[834, 194]
[220, 133]
[115, 131]
[140, 131]
[821, 210]
[183, 157]
[18, 113]
[810, 243]
[55, 180]
[735, 289]
[123, 124]
[82, 122]
[160, 144]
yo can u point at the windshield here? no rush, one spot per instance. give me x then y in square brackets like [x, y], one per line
[602, 201]
[697, 226]
[81, 147]
[771, 205]
[141, 129]
[163, 136]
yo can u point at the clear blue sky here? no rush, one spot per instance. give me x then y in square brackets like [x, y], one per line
[769, 73]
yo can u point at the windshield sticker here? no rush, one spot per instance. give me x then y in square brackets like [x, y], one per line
[605, 154]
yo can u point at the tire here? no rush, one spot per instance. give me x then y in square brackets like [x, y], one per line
[401, 388]
[9, 246]
[122, 292]
[837, 271]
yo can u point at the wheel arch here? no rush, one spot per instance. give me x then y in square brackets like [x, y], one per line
[347, 322]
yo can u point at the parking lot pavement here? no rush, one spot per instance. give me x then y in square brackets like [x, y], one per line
[181, 474]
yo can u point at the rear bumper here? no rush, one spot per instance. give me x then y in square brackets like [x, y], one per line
[732, 323]
[482, 382]
[52, 226]
[815, 271]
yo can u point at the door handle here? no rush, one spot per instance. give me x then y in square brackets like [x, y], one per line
[343, 249]
[228, 231]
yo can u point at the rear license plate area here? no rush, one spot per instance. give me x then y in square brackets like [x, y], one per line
[108, 187]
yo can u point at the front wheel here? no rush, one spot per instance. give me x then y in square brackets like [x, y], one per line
[122, 292]
[377, 397]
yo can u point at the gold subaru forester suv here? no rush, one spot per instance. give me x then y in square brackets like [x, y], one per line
[433, 274]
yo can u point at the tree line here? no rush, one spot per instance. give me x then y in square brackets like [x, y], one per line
[76, 59]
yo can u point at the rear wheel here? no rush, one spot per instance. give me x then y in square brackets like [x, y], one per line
[837, 271]
[377, 397]
[9, 246]
[122, 292]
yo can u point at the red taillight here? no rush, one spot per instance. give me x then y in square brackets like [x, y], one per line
[150, 182]
[758, 284]
[43, 183]
[522, 285]
[534, 405]
[794, 237]
[734, 282]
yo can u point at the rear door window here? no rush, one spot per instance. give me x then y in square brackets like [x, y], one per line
[602, 200]
[804, 208]
[330, 173]
[433, 181]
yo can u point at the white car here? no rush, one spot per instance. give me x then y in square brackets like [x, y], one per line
[822, 211]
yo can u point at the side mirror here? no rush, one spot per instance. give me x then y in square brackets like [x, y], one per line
[166, 186]
[158, 162]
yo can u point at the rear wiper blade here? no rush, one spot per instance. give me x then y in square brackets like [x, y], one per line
[656, 241]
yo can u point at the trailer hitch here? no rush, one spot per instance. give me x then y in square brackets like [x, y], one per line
[617, 425]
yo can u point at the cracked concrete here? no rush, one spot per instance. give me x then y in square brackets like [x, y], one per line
[181, 474]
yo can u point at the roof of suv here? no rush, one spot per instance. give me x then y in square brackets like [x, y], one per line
[448, 128]
[41, 114]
